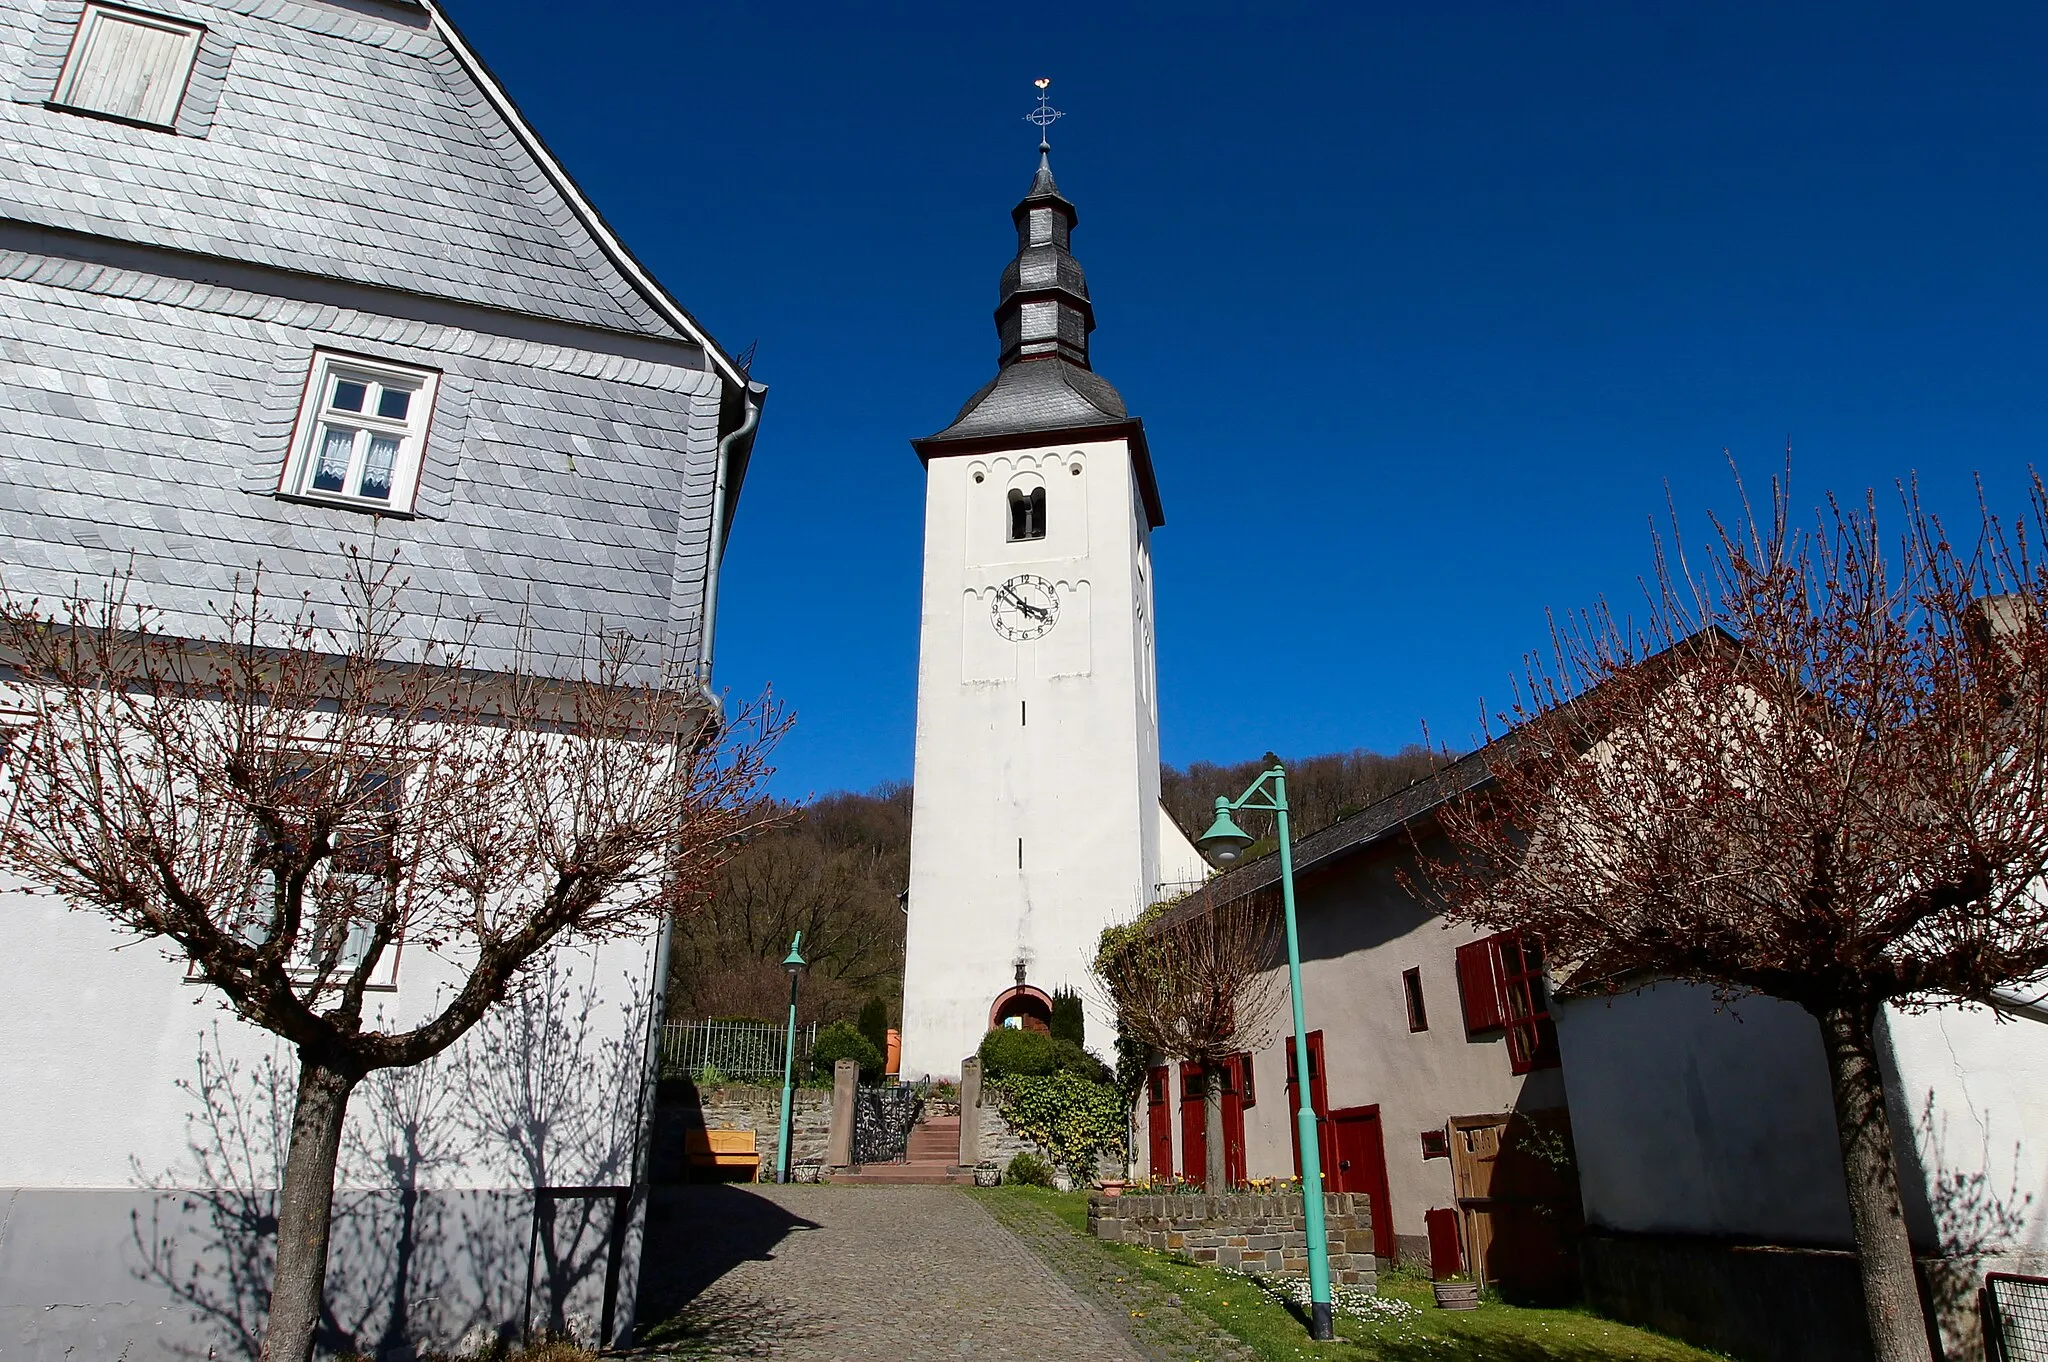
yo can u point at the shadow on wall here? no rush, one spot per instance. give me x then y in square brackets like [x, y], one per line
[481, 1196]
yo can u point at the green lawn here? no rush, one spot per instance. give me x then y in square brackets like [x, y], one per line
[1418, 1333]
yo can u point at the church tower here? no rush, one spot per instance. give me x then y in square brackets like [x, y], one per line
[1036, 820]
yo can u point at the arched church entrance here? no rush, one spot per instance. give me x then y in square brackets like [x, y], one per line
[1030, 1007]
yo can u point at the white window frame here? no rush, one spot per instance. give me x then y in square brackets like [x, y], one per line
[318, 416]
[91, 23]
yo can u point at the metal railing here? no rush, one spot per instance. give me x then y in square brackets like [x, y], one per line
[2016, 1317]
[749, 1051]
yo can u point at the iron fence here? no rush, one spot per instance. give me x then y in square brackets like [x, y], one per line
[2016, 1317]
[732, 1049]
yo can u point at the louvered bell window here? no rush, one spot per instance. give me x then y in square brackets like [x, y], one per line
[128, 65]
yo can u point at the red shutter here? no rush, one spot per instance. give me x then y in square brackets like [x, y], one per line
[1479, 985]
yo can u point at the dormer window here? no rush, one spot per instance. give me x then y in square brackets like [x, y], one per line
[361, 431]
[129, 66]
[1027, 514]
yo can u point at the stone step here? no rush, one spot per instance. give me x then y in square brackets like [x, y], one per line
[905, 1175]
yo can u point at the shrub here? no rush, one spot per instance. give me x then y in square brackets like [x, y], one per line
[1069, 1022]
[842, 1040]
[874, 1024]
[1074, 1119]
[1010, 1052]
[1028, 1170]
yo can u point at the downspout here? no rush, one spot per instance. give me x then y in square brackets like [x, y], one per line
[716, 554]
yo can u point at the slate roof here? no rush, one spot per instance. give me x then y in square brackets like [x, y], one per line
[1045, 387]
[343, 177]
[363, 143]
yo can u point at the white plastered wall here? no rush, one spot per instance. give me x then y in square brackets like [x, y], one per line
[1036, 820]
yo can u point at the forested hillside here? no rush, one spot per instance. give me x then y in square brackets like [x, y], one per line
[837, 869]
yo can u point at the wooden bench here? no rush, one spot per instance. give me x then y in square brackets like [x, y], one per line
[724, 1152]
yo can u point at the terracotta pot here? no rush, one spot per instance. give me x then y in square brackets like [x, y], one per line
[1456, 1295]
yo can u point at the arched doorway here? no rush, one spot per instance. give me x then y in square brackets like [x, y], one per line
[1030, 1006]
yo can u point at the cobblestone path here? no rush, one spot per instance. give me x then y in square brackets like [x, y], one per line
[847, 1274]
[1162, 1329]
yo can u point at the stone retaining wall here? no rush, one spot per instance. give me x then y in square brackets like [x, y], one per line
[681, 1106]
[1244, 1231]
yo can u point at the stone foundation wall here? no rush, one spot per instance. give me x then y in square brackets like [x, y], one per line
[681, 1106]
[1244, 1231]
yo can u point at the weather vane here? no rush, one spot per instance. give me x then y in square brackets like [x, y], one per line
[1044, 115]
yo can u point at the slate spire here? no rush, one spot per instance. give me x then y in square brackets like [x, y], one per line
[1044, 310]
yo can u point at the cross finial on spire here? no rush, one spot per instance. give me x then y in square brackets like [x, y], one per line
[1044, 115]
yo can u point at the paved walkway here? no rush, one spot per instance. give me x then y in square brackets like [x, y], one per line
[847, 1274]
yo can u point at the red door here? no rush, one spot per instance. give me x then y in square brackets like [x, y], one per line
[1159, 1123]
[1319, 1094]
[1356, 1154]
[1194, 1134]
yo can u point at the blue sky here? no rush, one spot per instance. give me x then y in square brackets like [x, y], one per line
[1423, 305]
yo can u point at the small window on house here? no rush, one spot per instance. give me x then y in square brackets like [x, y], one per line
[1411, 989]
[1027, 514]
[128, 65]
[361, 431]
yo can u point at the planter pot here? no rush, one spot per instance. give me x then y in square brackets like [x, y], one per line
[988, 1175]
[1456, 1295]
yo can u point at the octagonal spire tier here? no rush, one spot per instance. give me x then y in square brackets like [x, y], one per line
[1044, 310]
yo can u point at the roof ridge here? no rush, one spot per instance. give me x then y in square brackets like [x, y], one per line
[579, 204]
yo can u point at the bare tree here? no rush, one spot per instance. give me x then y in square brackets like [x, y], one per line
[1819, 771]
[285, 806]
[1195, 981]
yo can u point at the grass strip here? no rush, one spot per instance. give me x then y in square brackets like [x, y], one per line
[1174, 1303]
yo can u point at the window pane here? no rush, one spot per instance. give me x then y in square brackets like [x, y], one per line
[330, 470]
[394, 403]
[377, 468]
[348, 396]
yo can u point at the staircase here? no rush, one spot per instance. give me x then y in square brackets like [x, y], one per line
[934, 1147]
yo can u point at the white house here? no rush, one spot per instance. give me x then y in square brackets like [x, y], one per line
[279, 278]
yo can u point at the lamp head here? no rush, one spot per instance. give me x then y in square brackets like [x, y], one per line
[1225, 841]
[794, 961]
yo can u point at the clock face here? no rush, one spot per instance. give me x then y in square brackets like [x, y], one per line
[1025, 607]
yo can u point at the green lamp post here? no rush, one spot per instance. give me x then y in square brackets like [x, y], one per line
[1223, 844]
[794, 962]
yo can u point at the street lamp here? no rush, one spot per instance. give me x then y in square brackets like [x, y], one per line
[794, 962]
[1222, 845]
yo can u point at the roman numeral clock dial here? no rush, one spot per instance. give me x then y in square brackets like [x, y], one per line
[1025, 607]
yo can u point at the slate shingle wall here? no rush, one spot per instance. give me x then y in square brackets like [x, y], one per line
[143, 423]
[335, 144]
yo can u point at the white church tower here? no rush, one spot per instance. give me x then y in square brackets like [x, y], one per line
[1036, 820]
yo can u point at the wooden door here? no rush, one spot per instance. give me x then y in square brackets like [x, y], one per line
[1319, 1095]
[1358, 1161]
[1518, 1196]
[1159, 1123]
[1194, 1134]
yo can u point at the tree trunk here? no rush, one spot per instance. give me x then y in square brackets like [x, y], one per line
[1212, 1130]
[305, 1207]
[1891, 1291]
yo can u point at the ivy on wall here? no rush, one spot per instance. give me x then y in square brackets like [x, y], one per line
[1074, 1120]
